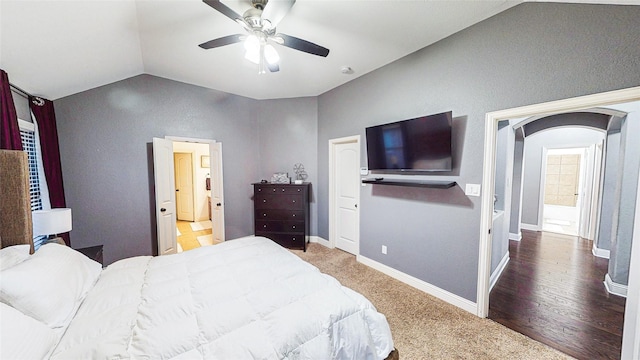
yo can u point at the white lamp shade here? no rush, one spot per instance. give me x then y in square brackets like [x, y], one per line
[49, 222]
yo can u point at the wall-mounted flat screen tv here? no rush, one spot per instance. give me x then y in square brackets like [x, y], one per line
[420, 144]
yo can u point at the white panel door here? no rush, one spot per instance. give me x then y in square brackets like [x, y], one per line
[217, 193]
[165, 196]
[183, 164]
[347, 196]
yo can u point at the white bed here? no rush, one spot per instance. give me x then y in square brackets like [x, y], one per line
[244, 299]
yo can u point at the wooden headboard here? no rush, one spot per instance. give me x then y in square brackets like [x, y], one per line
[15, 205]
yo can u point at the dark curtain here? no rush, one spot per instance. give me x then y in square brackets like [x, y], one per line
[46, 118]
[9, 130]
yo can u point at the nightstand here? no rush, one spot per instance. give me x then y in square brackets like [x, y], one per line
[93, 253]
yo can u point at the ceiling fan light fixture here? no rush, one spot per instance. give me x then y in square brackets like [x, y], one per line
[271, 55]
[252, 43]
[253, 56]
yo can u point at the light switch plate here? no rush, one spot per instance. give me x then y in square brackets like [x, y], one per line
[472, 190]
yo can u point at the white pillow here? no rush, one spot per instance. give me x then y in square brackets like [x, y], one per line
[50, 285]
[24, 337]
[13, 255]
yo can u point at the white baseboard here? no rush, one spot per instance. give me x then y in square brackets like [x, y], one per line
[532, 227]
[516, 237]
[615, 288]
[498, 271]
[321, 241]
[433, 290]
[601, 253]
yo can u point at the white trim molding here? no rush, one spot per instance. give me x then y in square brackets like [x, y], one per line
[531, 227]
[498, 271]
[601, 253]
[430, 289]
[515, 237]
[614, 287]
[321, 241]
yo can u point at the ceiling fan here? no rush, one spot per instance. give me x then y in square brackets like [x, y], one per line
[260, 23]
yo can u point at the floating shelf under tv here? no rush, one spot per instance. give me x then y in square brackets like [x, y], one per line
[414, 183]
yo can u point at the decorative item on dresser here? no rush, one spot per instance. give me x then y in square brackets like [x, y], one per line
[282, 213]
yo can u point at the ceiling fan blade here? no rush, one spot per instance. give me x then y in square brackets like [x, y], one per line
[222, 8]
[275, 10]
[225, 40]
[302, 45]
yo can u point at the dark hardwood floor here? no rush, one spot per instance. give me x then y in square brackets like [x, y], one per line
[552, 291]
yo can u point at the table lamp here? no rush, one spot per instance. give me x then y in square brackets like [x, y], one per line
[51, 222]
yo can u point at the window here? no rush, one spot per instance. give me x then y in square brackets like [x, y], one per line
[30, 146]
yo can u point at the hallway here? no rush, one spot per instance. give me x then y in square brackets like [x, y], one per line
[552, 291]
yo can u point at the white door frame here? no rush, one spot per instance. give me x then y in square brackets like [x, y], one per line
[332, 184]
[211, 143]
[631, 331]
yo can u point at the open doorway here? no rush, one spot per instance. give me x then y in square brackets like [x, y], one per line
[198, 175]
[624, 100]
[192, 178]
[564, 186]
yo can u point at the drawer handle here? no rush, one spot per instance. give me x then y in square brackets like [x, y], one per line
[293, 226]
[274, 190]
[293, 239]
[264, 226]
[294, 201]
[298, 190]
[294, 215]
[264, 201]
[259, 190]
[264, 215]
[282, 189]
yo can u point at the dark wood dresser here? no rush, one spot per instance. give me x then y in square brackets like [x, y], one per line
[282, 213]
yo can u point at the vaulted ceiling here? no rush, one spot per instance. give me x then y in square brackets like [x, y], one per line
[57, 48]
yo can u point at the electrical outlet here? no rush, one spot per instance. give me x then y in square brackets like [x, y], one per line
[472, 190]
[384, 249]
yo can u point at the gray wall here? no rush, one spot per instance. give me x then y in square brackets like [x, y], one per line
[22, 106]
[105, 137]
[515, 58]
[533, 160]
[288, 134]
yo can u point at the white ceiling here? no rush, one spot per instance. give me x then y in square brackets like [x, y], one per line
[57, 48]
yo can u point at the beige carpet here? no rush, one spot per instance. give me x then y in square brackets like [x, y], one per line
[423, 326]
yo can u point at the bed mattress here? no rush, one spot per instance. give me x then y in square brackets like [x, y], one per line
[247, 298]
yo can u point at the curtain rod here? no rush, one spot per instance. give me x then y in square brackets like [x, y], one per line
[22, 92]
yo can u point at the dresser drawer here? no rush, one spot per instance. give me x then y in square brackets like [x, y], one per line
[280, 202]
[274, 214]
[293, 226]
[279, 189]
[287, 240]
[262, 225]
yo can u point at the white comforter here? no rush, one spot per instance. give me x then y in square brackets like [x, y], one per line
[244, 299]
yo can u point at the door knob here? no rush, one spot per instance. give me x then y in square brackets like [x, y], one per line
[356, 205]
[177, 189]
[163, 209]
[218, 204]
